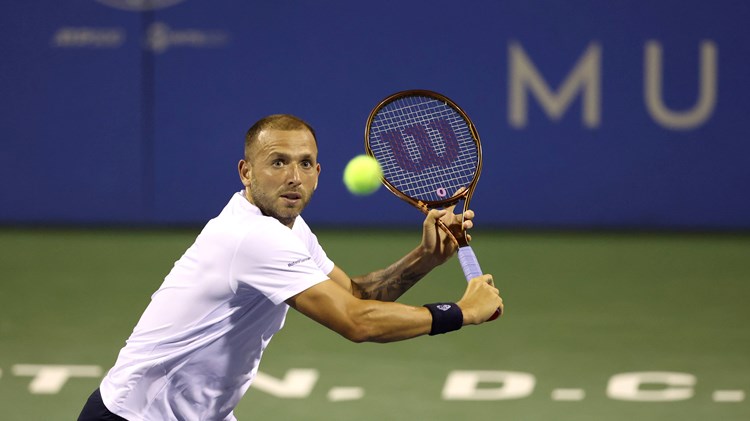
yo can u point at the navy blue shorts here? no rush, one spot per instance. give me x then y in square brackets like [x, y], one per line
[94, 410]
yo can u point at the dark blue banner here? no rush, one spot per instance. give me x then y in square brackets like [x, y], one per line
[592, 114]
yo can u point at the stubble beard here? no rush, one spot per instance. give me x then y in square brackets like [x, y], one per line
[271, 205]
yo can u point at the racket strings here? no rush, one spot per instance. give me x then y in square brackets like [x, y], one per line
[425, 147]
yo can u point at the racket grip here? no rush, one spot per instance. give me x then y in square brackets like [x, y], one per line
[470, 266]
[469, 263]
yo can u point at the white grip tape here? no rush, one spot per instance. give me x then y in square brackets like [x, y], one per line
[469, 263]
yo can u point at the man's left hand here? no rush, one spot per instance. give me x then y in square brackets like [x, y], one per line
[435, 241]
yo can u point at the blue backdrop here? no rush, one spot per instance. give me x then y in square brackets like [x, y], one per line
[593, 114]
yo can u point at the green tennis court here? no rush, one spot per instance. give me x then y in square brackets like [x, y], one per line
[616, 326]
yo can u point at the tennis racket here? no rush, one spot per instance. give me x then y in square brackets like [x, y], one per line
[431, 157]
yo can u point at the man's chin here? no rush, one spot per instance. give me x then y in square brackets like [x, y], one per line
[288, 214]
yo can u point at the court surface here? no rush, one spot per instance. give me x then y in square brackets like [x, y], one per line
[598, 326]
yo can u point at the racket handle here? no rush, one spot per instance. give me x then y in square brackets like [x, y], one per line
[470, 265]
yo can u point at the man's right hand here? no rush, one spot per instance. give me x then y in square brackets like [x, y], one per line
[480, 301]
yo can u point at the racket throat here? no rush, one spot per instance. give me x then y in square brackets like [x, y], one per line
[461, 238]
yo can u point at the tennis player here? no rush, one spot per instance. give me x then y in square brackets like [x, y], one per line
[198, 344]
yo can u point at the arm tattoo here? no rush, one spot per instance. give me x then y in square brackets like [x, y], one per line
[387, 284]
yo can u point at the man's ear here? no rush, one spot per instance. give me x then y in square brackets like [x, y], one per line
[244, 170]
[316, 181]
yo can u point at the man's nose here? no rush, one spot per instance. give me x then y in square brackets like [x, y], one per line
[293, 175]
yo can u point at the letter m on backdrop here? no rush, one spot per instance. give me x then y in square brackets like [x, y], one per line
[524, 79]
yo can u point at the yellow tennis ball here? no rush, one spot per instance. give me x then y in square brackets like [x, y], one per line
[362, 175]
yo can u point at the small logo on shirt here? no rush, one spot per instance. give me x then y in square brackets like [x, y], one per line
[296, 262]
[443, 307]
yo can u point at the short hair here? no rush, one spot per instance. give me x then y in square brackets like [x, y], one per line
[276, 122]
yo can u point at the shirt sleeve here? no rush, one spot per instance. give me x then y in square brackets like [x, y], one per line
[276, 262]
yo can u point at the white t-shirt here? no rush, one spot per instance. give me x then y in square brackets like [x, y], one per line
[197, 346]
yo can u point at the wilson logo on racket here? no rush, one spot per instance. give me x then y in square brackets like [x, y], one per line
[428, 156]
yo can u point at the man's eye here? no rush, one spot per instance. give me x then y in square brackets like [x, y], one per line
[307, 164]
[278, 163]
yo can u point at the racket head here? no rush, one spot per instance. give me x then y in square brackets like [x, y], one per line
[427, 146]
